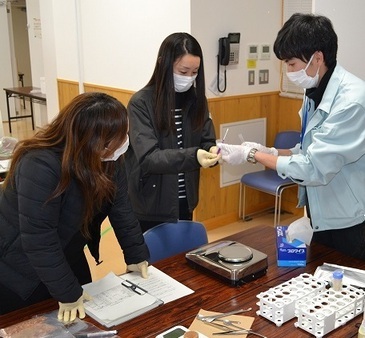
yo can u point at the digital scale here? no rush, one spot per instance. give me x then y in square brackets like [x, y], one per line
[232, 261]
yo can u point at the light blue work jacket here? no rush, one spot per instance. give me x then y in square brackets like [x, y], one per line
[331, 163]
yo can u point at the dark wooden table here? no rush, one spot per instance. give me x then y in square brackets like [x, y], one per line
[33, 94]
[212, 294]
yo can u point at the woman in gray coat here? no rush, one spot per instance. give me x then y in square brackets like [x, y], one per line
[172, 135]
[62, 183]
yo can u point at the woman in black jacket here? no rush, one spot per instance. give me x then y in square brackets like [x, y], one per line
[172, 135]
[61, 185]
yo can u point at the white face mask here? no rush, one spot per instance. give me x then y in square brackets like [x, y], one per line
[302, 79]
[183, 83]
[120, 151]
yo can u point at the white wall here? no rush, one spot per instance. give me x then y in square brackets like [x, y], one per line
[348, 21]
[258, 21]
[6, 76]
[121, 40]
[21, 45]
[116, 44]
[36, 36]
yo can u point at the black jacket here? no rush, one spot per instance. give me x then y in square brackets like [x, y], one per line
[153, 159]
[34, 234]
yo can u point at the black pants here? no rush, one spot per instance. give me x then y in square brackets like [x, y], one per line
[350, 241]
[184, 214]
[10, 301]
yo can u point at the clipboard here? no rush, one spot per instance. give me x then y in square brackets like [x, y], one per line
[116, 300]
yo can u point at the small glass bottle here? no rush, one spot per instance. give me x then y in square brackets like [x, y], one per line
[337, 277]
[361, 332]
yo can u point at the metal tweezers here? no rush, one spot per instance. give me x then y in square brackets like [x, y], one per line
[237, 332]
[229, 331]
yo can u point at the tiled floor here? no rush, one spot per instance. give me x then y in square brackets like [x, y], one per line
[112, 256]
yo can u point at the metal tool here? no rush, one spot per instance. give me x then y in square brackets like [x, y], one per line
[227, 321]
[237, 332]
[211, 318]
[228, 331]
[224, 138]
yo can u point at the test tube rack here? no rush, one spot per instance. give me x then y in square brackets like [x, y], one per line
[329, 310]
[318, 310]
[278, 303]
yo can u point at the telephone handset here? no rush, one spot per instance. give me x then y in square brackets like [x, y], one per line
[224, 51]
[228, 54]
[229, 47]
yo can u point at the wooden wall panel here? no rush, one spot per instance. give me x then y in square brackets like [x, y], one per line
[288, 117]
[67, 90]
[219, 206]
[120, 94]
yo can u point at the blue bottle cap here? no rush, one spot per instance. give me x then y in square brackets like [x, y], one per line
[337, 274]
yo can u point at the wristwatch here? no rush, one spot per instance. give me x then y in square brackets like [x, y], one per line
[251, 156]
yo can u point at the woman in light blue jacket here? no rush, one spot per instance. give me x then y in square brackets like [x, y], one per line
[329, 164]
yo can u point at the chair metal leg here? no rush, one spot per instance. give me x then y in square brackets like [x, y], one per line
[240, 202]
[279, 206]
[244, 203]
[276, 210]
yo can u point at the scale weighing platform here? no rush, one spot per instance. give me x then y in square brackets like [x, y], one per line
[232, 261]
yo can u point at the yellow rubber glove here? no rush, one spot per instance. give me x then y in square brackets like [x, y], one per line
[68, 311]
[216, 150]
[141, 267]
[213, 149]
[206, 159]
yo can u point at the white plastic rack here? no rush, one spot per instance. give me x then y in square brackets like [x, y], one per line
[318, 310]
[329, 310]
[278, 303]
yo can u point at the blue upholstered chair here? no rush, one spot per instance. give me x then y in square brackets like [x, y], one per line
[268, 180]
[168, 239]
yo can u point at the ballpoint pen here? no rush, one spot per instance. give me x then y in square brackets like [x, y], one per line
[224, 137]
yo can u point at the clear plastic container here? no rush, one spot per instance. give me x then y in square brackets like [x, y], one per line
[337, 277]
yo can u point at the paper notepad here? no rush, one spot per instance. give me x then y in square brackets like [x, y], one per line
[116, 300]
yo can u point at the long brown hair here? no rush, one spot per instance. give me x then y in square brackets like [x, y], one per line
[82, 131]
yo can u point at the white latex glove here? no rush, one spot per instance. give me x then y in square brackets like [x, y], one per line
[140, 267]
[68, 311]
[206, 159]
[234, 154]
[261, 148]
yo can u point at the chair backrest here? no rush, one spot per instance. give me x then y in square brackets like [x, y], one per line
[168, 239]
[286, 139]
